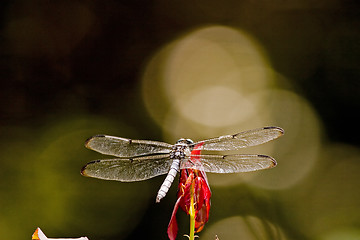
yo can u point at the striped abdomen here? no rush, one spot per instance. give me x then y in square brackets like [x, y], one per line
[169, 179]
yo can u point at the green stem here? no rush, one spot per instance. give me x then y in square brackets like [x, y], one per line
[192, 213]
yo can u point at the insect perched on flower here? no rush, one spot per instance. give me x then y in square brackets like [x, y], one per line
[142, 159]
[193, 196]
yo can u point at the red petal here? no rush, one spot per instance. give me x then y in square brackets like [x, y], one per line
[197, 149]
[185, 202]
[201, 218]
[202, 215]
[173, 227]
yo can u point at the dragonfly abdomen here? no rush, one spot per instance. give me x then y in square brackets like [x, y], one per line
[168, 180]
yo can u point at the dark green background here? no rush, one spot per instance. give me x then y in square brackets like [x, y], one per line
[72, 69]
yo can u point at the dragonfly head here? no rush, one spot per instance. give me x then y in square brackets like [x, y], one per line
[185, 141]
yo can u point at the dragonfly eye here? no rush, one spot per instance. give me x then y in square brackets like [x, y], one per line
[186, 141]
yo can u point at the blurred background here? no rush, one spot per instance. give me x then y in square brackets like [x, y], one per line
[162, 70]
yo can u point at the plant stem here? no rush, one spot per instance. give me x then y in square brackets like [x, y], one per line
[192, 213]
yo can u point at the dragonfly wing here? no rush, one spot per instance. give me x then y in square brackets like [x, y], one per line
[128, 170]
[241, 140]
[232, 163]
[124, 147]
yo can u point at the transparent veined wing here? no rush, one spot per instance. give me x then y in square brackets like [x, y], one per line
[124, 147]
[241, 140]
[231, 163]
[128, 170]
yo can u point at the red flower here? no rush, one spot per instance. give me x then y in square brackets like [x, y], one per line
[193, 190]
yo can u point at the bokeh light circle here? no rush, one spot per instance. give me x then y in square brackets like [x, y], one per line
[217, 80]
[229, 105]
[212, 68]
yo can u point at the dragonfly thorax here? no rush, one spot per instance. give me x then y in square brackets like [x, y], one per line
[181, 149]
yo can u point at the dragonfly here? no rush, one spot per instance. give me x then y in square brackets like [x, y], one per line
[138, 160]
